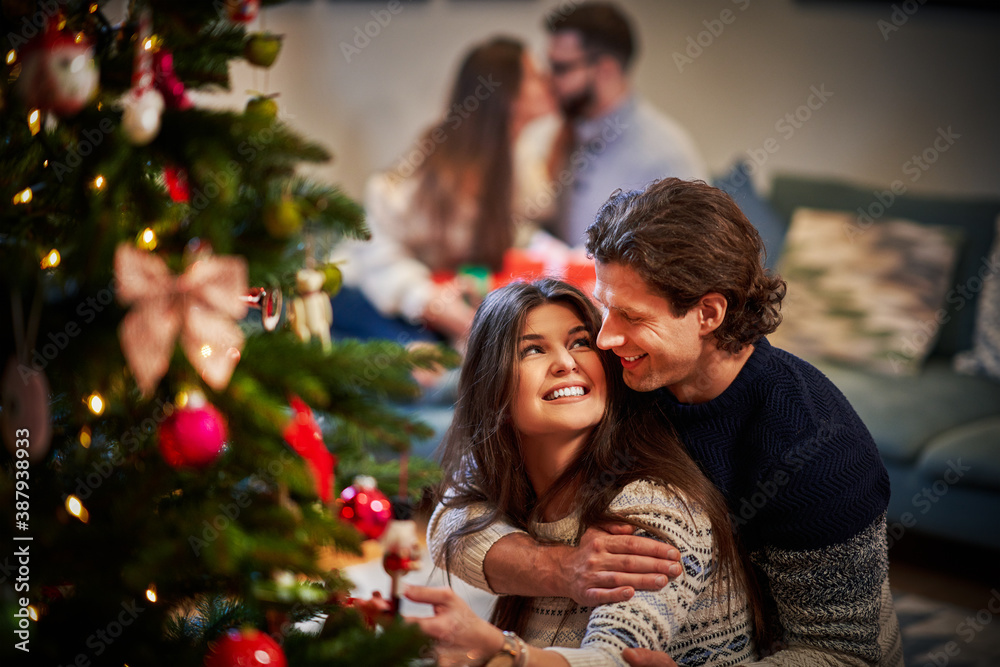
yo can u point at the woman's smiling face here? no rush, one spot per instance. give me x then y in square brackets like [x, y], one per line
[561, 384]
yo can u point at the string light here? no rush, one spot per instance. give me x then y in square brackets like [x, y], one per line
[96, 403]
[35, 121]
[151, 593]
[76, 508]
[99, 182]
[182, 398]
[79, 37]
[147, 239]
[32, 612]
[11, 56]
[93, 7]
[85, 437]
[148, 44]
[23, 197]
[51, 260]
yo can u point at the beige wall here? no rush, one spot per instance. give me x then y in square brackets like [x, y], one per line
[890, 92]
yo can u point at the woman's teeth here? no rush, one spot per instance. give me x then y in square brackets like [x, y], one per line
[565, 391]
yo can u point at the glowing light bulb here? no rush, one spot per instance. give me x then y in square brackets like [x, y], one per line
[11, 56]
[93, 7]
[51, 260]
[99, 182]
[96, 403]
[32, 612]
[85, 437]
[151, 593]
[76, 508]
[147, 239]
[148, 44]
[181, 400]
[79, 37]
[23, 197]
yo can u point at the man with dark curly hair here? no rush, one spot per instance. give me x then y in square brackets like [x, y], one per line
[686, 306]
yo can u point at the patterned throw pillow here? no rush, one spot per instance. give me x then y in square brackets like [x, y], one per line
[984, 357]
[862, 293]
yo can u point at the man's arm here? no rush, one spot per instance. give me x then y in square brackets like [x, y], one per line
[608, 565]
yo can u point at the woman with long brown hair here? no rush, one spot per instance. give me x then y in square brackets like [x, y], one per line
[547, 438]
[454, 197]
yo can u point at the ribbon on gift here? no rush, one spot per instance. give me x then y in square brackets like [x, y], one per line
[201, 306]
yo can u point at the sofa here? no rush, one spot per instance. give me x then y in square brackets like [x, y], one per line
[937, 429]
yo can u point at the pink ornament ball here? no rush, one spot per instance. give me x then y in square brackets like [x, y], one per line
[192, 437]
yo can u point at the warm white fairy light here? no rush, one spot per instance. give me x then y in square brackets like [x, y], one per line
[76, 508]
[96, 403]
[23, 197]
[11, 56]
[51, 259]
[151, 593]
[99, 182]
[147, 239]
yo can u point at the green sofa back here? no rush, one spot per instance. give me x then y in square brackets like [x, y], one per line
[975, 217]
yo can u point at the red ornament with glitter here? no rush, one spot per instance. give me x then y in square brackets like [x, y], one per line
[177, 184]
[305, 437]
[193, 436]
[242, 11]
[365, 507]
[246, 648]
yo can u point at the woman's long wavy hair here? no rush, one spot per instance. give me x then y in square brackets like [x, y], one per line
[481, 454]
[470, 152]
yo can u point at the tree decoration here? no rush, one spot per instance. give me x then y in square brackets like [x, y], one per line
[263, 106]
[58, 72]
[304, 436]
[268, 301]
[176, 180]
[202, 305]
[193, 436]
[172, 88]
[311, 314]
[262, 49]
[242, 11]
[143, 104]
[374, 610]
[246, 648]
[401, 553]
[365, 507]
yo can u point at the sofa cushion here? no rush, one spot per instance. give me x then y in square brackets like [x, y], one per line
[868, 297]
[738, 184]
[975, 217]
[971, 452]
[984, 357]
[905, 413]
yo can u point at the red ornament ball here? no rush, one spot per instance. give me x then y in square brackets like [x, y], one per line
[192, 437]
[242, 11]
[246, 648]
[365, 507]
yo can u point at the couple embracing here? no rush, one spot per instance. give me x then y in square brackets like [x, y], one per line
[597, 458]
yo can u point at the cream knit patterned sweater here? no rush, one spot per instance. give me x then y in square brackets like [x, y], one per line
[689, 618]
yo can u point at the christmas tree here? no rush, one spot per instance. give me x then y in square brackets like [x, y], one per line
[168, 487]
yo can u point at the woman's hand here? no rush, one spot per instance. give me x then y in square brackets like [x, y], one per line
[461, 637]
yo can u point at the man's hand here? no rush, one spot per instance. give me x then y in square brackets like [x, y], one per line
[643, 657]
[610, 563]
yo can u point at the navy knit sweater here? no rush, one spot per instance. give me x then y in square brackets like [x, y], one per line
[796, 464]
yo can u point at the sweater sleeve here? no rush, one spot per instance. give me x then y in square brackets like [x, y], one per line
[470, 551]
[834, 603]
[388, 274]
[653, 619]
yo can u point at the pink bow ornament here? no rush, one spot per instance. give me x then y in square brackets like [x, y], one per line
[202, 305]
